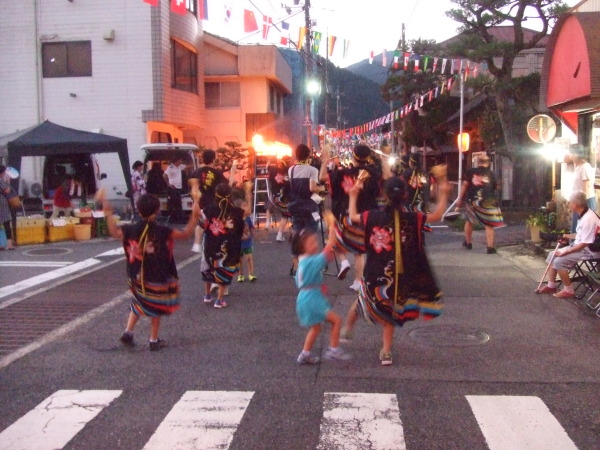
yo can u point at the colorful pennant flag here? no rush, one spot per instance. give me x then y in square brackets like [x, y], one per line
[151, 2]
[317, 36]
[267, 22]
[330, 44]
[285, 26]
[250, 24]
[371, 55]
[301, 38]
[396, 59]
[203, 12]
[346, 45]
[417, 58]
[384, 58]
[406, 56]
[178, 7]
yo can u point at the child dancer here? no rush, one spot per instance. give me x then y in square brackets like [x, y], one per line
[223, 227]
[247, 244]
[312, 308]
[151, 269]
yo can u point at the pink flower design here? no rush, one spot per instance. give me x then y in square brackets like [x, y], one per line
[134, 251]
[347, 183]
[478, 180]
[279, 178]
[217, 227]
[381, 239]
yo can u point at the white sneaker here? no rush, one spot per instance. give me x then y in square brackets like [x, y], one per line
[344, 268]
[280, 238]
[355, 286]
[196, 248]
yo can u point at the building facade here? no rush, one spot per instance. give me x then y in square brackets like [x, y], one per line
[128, 69]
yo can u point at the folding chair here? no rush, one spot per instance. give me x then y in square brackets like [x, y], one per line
[593, 281]
[578, 275]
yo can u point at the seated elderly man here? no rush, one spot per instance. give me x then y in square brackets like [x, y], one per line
[564, 259]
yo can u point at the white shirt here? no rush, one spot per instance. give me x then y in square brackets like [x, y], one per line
[582, 173]
[586, 228]
[173, 173]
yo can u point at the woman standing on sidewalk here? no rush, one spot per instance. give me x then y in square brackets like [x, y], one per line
[398, 284]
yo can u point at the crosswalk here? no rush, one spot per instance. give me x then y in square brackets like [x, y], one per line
[209, 420]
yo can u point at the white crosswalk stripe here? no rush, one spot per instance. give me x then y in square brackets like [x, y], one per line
[209, 420]
[357, 421]
[515, 423]
[55, 421]
[201, 419]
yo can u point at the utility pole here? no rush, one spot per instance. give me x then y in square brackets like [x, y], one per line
[308, 73]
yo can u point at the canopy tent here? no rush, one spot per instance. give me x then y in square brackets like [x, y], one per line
[49, 138]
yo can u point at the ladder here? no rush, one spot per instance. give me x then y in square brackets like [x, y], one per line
[262, 194]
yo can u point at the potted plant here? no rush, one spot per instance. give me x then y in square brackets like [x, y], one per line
[536, 222]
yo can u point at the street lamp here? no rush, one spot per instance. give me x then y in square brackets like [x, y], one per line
[313, 88]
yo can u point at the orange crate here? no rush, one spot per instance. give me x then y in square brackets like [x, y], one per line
[31, 230]
[62, 229]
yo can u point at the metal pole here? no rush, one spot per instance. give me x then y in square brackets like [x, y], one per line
[392, 129]
[308, 73]
[460, 152]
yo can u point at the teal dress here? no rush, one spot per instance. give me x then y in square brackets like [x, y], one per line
[311, 305]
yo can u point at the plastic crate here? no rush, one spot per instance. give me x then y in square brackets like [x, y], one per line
[62, 229]
[31, 230]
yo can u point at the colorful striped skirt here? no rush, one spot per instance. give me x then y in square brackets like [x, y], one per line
[154, 299]
[484, 213]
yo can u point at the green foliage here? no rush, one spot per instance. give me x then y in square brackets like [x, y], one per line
[226, 155]
[538, 219]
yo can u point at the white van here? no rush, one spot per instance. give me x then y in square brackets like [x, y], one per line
[161, 155]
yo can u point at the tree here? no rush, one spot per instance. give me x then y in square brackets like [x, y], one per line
[478, 44]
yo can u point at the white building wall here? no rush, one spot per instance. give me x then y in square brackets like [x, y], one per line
[127, 85]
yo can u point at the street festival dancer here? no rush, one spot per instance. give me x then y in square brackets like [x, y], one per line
[480, 186]
[223, 225]
[151, 270]
[341, 180]
[304, 210]
[312, 307]
[398, 283]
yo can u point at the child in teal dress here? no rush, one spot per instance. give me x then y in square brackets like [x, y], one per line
[312, 308]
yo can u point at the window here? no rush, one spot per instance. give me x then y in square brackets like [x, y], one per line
[67, 59]
[191, 6]
[185, 68]
[222, 95]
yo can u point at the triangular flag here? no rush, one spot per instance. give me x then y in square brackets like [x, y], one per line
[317, 36]
[384, 58]
[425, 62]
[346, 45]
[396, 59]
[203, 12]
[284, 40]
[435, 61]
[285, 26]
[331, 44]
[417, 58]
[178, 7]
[444, 61]
[406, 57]
[151, 2]
[250, 24]
[267, 22]
[371, 57]
[301, 38]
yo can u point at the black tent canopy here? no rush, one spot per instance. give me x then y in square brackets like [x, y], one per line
[49, 138]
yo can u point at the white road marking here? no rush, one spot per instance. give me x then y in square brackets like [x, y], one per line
[201, 420]
[55, 421]
[68, 327]
[358, 421]
[114, 252]
[48, 276]
[515, 423]
[34, 263]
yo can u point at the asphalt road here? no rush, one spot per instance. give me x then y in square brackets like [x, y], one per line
[501, 368]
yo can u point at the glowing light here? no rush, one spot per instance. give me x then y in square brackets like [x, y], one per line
[274, 148]
[463, 142]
